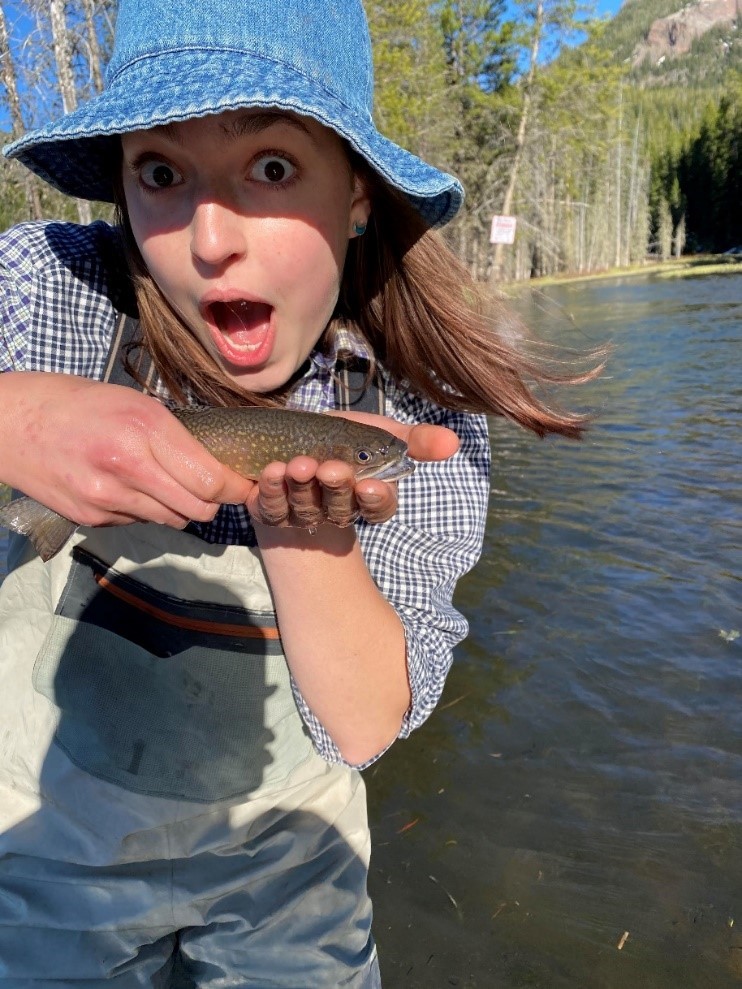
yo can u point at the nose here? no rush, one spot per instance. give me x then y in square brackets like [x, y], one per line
[217, 233]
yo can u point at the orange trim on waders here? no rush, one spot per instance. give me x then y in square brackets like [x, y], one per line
[191, 624]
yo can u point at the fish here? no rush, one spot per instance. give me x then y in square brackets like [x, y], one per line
[247, 440]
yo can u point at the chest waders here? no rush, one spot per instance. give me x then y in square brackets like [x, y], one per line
[161, 801]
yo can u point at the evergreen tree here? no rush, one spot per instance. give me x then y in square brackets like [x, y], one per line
[410, 83]
[477, 44]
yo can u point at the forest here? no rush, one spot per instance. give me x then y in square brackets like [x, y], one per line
[536, 105]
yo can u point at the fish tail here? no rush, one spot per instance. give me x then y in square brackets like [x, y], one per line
[47, 530]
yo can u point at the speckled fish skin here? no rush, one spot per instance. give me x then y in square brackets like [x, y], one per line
[247, 440]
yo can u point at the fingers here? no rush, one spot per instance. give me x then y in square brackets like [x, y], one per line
[377, 500]
[305, 494]
[193, 482]
[103, 454]
[159, 472]
[339, 499]
[269, 501]
[426, 442]
[294, 495]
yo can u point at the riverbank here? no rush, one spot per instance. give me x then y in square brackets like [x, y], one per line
[697, 264]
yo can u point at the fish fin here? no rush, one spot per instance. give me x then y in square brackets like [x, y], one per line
[47, 530]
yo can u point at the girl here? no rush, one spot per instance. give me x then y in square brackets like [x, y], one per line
[179, 783]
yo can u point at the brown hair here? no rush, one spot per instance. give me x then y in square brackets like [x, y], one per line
[408, 296]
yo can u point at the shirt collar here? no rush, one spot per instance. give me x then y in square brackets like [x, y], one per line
[345, 341]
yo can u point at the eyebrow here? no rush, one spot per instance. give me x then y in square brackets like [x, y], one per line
[248, 123]
[255, 123]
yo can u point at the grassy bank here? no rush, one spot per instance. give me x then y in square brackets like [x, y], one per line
[698, 264]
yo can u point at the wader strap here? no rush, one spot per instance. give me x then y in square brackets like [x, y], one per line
[354, 390]
[125, 339]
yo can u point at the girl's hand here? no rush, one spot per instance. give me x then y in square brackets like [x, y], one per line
[103, 454]
[306, 494]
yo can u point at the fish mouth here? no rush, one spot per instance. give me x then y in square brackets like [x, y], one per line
[242, 329]
[389, 472]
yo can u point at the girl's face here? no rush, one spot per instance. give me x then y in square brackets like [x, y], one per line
[243, 220]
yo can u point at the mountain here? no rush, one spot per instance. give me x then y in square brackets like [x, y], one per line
[684, 75]
[674, 35]
[665, 44]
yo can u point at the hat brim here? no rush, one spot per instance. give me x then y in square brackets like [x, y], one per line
[78, 153]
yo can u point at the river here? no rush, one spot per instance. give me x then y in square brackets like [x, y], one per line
[571, 816]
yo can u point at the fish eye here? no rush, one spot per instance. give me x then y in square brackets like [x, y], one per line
[363, 456]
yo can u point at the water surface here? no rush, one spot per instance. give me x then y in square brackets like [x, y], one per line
[583, 775]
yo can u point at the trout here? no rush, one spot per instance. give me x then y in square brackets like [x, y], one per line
[247, 440]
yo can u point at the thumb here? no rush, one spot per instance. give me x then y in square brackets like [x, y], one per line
[424, 441]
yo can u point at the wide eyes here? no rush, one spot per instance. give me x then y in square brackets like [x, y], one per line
[272, 169]
[159, 175]
[363, 456]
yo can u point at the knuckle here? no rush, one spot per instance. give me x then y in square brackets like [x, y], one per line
[117, 460]
[338, 499]
[96, 496]
[343, 520]
[299, 486]
[89, 515]
[205, 511]
[272, 506]
[175, 521]
[86, 518]
[375, 518]
[273, 516]
[211, 486]
[307, 515]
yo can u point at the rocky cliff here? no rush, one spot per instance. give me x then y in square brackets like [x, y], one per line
[669, 37]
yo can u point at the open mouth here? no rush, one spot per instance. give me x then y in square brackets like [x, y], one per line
[390, 472]
[244, 328]
[243, 323]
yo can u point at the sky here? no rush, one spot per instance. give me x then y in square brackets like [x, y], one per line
[18, 25]
[608, 7]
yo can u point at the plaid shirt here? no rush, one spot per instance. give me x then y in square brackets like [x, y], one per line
[58, 281]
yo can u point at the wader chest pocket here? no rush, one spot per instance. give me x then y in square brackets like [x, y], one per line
[174, 698]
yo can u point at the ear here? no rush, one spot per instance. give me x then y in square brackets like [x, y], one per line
[360, 208]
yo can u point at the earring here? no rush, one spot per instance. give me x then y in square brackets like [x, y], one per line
[359, 229]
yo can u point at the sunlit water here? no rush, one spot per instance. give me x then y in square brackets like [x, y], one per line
[583, 775]
[586, 779]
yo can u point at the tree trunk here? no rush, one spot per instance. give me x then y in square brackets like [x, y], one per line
[678, 240]
[9, 79]
[93, 45]
[520, 139]
[632, 208]
[63, 58]
[619, 163]
[665, 231]
[8, 75]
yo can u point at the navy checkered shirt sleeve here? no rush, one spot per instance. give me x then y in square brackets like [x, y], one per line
[55, 314]
[417, 557]
[16, 288]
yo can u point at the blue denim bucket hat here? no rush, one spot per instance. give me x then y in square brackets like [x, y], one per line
[175, 59]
